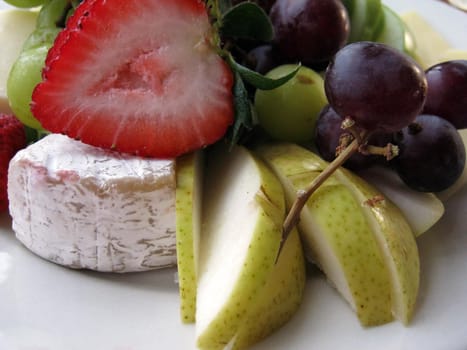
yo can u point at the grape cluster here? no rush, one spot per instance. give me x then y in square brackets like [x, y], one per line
[384, 93]
[306, 31]
[26, 71]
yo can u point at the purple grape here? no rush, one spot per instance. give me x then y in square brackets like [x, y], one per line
[327, 138]
[431, 154]
[447, 92]
[377, 86]
[310, 31]
[263, 58]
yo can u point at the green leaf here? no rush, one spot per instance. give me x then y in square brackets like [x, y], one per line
[248, 21]
[243, 110]
[257, 80]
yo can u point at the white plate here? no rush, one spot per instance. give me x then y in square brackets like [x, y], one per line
[47, 307]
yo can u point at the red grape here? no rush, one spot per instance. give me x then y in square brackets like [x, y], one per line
[263, 58]
[447, 92]
[327, 139]
[431, 154]
[310, 31]
[376, 85]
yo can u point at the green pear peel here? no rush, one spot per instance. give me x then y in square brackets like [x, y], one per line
[279, 299]
[397, 241]
[188, 215]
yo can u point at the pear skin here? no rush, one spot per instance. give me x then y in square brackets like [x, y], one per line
[279, 299]
[188, 195]
[396, 240]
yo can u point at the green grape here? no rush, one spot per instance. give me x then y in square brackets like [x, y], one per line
[289, 112]
[53, 14]
[40, 37]
[25, 3]
[23, 78]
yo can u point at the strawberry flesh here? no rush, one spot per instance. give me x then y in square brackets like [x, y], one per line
[137, 76]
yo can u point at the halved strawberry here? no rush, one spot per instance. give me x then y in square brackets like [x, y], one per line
[138, 76]
[12, 139]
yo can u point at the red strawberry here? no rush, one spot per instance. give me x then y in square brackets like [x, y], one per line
[12, 139]
[138, 76]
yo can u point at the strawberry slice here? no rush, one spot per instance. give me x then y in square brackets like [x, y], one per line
[137, 76]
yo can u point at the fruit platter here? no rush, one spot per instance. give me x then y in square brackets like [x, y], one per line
[215, 225]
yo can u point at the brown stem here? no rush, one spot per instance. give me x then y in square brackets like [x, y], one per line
[303, 195]
[389, 151]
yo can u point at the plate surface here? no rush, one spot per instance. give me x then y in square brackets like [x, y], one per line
[47, 307]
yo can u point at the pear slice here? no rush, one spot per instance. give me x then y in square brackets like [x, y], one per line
[453, 54]
[279, 299]
[429, 44]
[422, 210]
[188, 196]
[335, 233]
[243, 211]
[362, 243]
[396, 240]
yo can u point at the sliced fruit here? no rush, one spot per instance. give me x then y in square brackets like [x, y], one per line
[360, 240]
[453, 54]
[396, 240]
[243, 210]
[148, 82]
[15, 27]
[429, 43]
[422, 210]
[279, 299]
[188, 196]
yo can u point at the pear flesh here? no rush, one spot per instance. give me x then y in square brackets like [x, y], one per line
[243, 211]
[358, 238]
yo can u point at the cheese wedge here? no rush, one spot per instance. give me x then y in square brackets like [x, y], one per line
[15, 27]
[85, 207]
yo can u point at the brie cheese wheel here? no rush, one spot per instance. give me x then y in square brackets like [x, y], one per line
[90, 208]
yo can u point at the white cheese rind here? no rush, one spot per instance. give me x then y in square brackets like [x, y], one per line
[85, 207]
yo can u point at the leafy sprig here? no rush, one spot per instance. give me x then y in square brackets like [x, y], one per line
[244, 21]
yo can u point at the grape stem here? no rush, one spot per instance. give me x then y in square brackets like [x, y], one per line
[303, 195]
